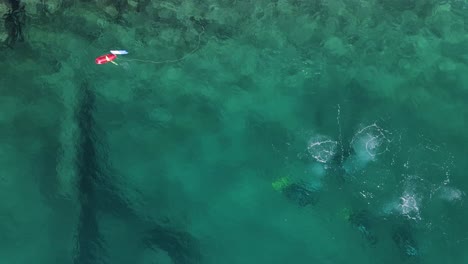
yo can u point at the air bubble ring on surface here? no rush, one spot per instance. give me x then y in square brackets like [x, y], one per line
[409, 207]
[377, 137]
[322, 150]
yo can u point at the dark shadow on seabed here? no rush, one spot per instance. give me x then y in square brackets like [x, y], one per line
[89, 245]
[98, 194]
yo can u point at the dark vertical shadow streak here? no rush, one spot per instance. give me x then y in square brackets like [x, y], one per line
[89, 246]
[99, 193]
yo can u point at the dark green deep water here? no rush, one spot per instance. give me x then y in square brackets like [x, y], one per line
[357, 107]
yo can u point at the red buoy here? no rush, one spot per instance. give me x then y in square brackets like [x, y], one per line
[105, 58]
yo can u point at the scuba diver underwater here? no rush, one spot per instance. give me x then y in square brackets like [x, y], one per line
[332, 182]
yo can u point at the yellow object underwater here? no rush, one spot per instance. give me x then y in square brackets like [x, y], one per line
[281, 183]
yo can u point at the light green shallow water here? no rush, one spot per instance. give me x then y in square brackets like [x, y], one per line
[361, 103]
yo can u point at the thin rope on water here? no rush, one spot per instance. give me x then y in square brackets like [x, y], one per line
[175, 60]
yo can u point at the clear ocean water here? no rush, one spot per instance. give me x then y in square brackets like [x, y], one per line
[279, 131]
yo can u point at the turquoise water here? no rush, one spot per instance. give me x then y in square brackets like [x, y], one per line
[253, 132]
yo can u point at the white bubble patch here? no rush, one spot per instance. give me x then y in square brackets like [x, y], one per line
[322, 149]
